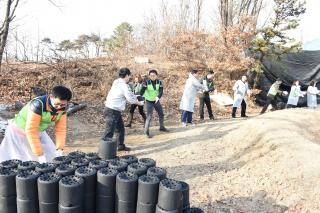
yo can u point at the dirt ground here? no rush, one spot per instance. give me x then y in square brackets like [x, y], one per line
[262, 164]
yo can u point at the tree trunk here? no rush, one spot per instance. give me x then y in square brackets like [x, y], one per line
[199, 8]
[4, 33]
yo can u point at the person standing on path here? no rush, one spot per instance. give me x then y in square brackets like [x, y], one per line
[241, 90]
[189, 97]
[295, 94]
[152, 91]
[136, 87]
[207, 82]
[312, 93]
[272, 95]
[26, 138]
[115, 103]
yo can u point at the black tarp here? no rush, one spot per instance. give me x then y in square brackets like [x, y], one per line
[303, 66]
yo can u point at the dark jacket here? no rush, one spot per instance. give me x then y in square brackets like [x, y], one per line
[209, 84]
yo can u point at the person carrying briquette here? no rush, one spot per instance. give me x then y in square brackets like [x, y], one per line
[26, 138]
[136, 87]
[241, 90]
[312, 93]
[152, 91]
[115, 103]
[189, 97]
[272, 95]
[295, 94]
[207, 82]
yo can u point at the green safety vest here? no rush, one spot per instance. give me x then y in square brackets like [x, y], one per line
[150, 94]
[273, 91]
[21, 118]
[296, 92]
[207, 84]
[137, 89]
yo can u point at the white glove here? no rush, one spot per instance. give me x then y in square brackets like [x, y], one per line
[59, 152]
[157, 99]
[42, 159]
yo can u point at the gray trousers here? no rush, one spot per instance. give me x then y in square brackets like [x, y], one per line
[149, 107]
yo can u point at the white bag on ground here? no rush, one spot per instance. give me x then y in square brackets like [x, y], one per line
[222, 99]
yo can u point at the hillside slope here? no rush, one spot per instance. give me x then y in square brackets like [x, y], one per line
[267, 163]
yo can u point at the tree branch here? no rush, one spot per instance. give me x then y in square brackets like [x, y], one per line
[54, 4]
[12, 16]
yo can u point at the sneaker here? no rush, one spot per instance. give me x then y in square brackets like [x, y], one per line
[233, 116]
[191, 124]
[163, 129]
[128, 125]
[244, 116]
[211, 118]
[123, 148]
[184, 124]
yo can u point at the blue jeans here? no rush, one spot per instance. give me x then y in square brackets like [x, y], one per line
[186, 117]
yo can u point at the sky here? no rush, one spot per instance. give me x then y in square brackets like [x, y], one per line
[74, 17]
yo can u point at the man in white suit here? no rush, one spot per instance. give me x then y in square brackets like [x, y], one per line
[241, 90]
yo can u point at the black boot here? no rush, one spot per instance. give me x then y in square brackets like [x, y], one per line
[163, 129]
[243, 109]
[234, 110]
[130, 117]
[122, 147]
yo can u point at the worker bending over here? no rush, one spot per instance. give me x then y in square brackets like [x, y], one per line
[26, 138]
[272, 95]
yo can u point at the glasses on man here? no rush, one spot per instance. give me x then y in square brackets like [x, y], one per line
[60, 105]
[57, 104]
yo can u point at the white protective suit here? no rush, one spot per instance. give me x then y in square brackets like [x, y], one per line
[190, 92]
[312, 96]
[240, 89]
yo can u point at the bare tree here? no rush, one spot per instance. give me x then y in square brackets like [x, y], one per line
[184, 14]
[11, 6]
[82, 44]
[231, 11]
[224, 10]
[198, 13]
[95, 39]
